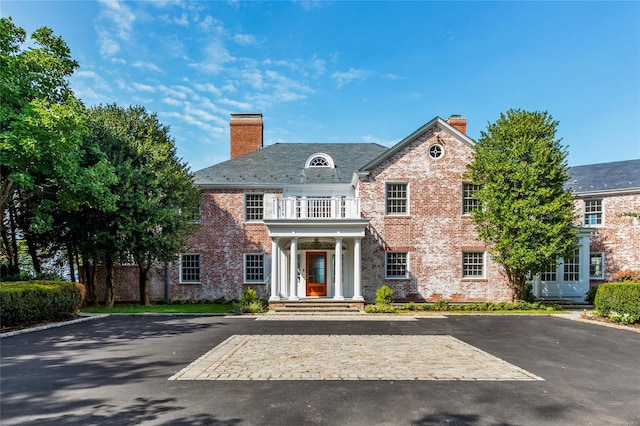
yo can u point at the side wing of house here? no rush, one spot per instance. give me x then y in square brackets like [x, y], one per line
[420, 240]
[605, 194]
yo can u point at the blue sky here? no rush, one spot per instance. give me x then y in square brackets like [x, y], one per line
[356, 71]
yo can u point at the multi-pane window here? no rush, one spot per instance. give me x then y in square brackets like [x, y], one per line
[195, 216]
[572, 267]
[549, 274]
[254, 268]
[592, 212]
[396, 263]
[190, 268]
[596, 265]
[472, 264]
[396, 198]
[469, 203]
[319, 162]
[253, 207]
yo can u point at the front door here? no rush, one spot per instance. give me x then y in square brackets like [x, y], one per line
[316, 273]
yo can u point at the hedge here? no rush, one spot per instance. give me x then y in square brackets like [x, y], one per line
[26, 302]
[619, 301]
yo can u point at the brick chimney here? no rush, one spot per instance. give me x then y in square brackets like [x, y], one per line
[246, 133]
[458, 122]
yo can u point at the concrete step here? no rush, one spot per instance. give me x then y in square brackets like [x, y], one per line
[322, 309]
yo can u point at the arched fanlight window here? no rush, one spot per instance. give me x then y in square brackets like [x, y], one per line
[319, 160]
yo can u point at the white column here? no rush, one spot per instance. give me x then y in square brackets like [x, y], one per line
[293, 272]
[275, 263]
[338, 274]
[357, 270]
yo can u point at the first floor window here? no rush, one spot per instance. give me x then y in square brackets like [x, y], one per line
[254, 268]
[190, 268]
[549, 274]
[572, 267]
[596, 265]
[396, 263]
[472, 264]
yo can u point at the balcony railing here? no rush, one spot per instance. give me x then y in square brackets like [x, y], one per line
[316, 208]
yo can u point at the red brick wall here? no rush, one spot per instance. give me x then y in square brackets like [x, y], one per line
[619, 236]
[246, 133]
[434, 233]
[126, 282]
[222, 241]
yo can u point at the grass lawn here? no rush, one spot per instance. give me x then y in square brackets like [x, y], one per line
[178, 308]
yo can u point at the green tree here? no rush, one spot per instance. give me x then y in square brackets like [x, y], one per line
[527, 217]
[155, 190]
[41, 142]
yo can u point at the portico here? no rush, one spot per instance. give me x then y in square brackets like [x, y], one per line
[316, 259]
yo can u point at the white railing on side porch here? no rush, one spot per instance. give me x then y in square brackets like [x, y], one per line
[316, 208]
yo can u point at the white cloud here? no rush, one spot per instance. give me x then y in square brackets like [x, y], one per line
[245, 39]
[240, 106]
[217, 56]
[118, 19]
[147, 65]
[207, 87]
[171, 101]
[211, 24]
[347, 77]
[140, 87]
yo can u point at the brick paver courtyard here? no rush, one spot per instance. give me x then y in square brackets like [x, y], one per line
[349, 357]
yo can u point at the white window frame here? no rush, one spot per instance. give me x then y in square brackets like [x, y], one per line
[467, 198]
[465, 264]
[598, 213]
[199, 268]
[246, 267]
[571, 267]
[601, 256]
[386, 199]
[247, 207]
[319, 160]
[386, 266]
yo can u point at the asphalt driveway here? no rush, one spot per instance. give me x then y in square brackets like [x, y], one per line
[116, 370]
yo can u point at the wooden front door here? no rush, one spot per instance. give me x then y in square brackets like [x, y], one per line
[316, 273]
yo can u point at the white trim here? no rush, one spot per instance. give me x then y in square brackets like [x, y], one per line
[326, 157]
[386, 200]
[602, 265]
[484, 265]
[396, 277]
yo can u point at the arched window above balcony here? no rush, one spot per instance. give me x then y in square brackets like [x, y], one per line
[319, 160]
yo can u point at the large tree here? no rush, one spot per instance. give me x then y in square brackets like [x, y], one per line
[42, 157]
[526, 216]
[156, 195]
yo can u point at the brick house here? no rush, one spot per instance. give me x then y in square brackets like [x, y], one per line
[603, 193]
[336, 221]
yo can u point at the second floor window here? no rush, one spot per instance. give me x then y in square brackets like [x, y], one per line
[592, 212]
[253, 207]
[396, 198]
[469, 203]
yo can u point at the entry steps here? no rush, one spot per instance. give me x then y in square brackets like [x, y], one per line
[568, 305]
[329, 307]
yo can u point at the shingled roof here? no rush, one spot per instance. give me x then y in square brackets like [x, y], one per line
[284, 164]
[618, 176]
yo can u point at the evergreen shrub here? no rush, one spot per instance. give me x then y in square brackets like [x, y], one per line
[619, 301]
[27, 302]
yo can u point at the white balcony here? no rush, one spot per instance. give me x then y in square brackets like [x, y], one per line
[321, 208]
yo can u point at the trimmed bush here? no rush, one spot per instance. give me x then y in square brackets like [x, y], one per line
[619, 301]
[27, 302]
[384, 295]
